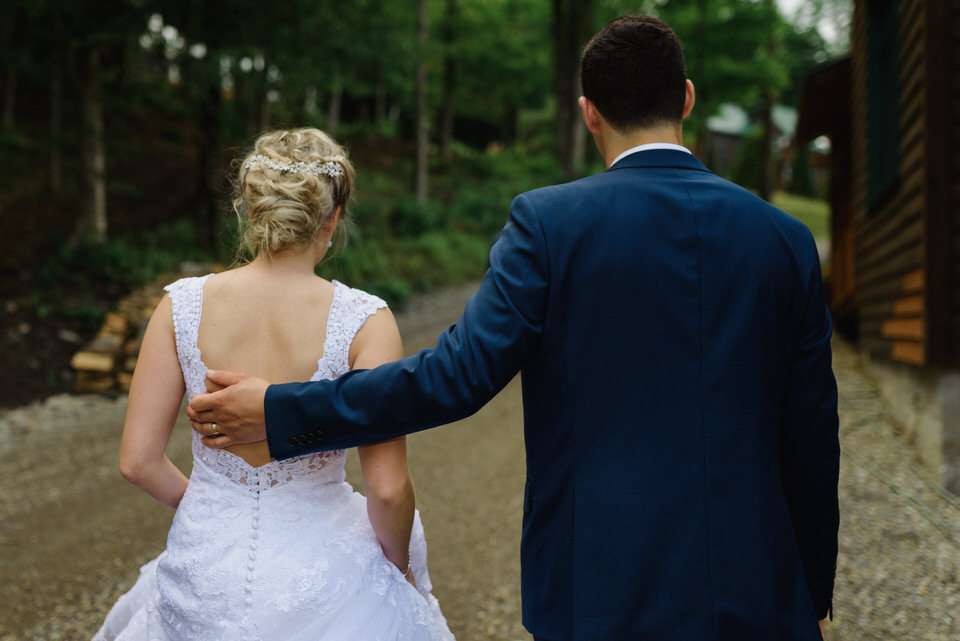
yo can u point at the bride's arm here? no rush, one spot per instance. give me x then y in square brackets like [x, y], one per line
[155, 394]
[390, 497]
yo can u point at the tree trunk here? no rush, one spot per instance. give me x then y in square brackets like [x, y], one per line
[770, 96]
[333, 109]
[702, 148]
[56, 123]
[309, 100]
[251, 103]
[572, 28]
[207, 93]
[579, 138]
[263, 124]
[562, 82]
[9, 97]
[508, 126]
[446, 133]
[210, 175]
[94, 223]
[449, 81]
[422, 121]
[380, 101]
[765, 182]
[14, 25]
[56, 106]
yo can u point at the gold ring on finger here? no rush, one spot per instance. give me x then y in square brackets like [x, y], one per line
[213, 430]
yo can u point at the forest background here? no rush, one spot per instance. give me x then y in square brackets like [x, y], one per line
[122, 122]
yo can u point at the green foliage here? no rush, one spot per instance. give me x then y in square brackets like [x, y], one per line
[126, 261]
[410, 219]
[85, 312]
[502, 49]
[187, 83]
[812, 212]
[397, 249]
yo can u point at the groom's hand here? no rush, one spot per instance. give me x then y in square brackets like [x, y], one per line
[233, 414]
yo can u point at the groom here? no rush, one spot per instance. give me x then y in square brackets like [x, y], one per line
[680, 412]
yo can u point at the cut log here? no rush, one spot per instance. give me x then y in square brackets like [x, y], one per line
[93, 382]
[105, 343]
[92, 362]
[114, 323]
[123, 381]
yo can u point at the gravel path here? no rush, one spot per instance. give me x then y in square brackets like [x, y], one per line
[73, 533]
[898, 575]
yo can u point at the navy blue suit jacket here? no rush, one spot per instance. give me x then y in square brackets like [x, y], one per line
[680, 411]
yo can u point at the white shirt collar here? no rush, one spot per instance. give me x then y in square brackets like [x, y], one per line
[648, 147]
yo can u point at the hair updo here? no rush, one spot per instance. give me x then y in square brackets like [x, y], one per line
[287, 209]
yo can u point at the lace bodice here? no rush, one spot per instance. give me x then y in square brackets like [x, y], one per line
[349, 310]
[277, 552]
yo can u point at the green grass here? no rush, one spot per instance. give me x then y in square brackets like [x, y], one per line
[812, 212]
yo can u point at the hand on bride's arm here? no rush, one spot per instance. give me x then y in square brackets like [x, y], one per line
[155, 394]
[233, 414]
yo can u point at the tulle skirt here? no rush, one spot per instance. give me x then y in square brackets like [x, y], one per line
[293, 561]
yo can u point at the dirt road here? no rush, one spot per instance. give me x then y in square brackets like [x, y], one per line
[73, 533]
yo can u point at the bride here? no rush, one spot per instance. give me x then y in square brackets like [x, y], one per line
[259, 548]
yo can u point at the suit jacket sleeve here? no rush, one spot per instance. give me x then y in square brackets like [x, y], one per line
[472, 361]
[810, 448]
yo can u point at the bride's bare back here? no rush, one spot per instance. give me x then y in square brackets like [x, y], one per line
[270, 319]
[270, 325]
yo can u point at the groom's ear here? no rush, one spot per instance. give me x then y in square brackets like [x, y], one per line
[689, 98]
[591, 117]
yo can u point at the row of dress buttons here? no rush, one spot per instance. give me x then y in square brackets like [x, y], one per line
[252, 555]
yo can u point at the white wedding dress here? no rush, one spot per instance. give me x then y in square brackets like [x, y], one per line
[284, 551]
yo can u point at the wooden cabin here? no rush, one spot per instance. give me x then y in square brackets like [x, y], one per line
[892, 112]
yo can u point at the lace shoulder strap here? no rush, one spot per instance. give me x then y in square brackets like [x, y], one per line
[186, 302]
[349, 311]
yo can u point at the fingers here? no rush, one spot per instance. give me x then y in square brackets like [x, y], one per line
[218, 442]
[223, 378]
[205, 428]
[203, 402]
[194, 415]
[212, 439]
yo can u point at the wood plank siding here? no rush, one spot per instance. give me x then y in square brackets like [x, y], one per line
[942, 216]
[951, 113]
[889, 234]
[895, 188]
[825, 110]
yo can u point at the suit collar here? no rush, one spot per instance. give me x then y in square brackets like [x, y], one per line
[664, 158]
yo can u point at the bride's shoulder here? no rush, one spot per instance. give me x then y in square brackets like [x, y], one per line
[358, 299]
[376, 337]
[186, 283]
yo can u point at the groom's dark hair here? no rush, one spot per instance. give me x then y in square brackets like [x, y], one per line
[633, 72]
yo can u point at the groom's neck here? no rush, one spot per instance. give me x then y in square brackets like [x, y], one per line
[611, 143]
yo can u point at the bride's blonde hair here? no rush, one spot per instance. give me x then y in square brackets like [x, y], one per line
[288, 188]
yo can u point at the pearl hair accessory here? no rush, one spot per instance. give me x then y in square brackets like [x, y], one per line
[330, 168]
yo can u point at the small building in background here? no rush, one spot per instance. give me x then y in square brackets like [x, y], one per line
[730, 132]
[892, 113]
[726, 129]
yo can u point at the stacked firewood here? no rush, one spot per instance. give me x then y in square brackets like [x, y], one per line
[106, 363]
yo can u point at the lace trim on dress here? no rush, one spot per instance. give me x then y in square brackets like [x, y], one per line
[186, 302]
[349, 310]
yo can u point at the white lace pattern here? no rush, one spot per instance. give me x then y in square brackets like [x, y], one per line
[283, 550]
